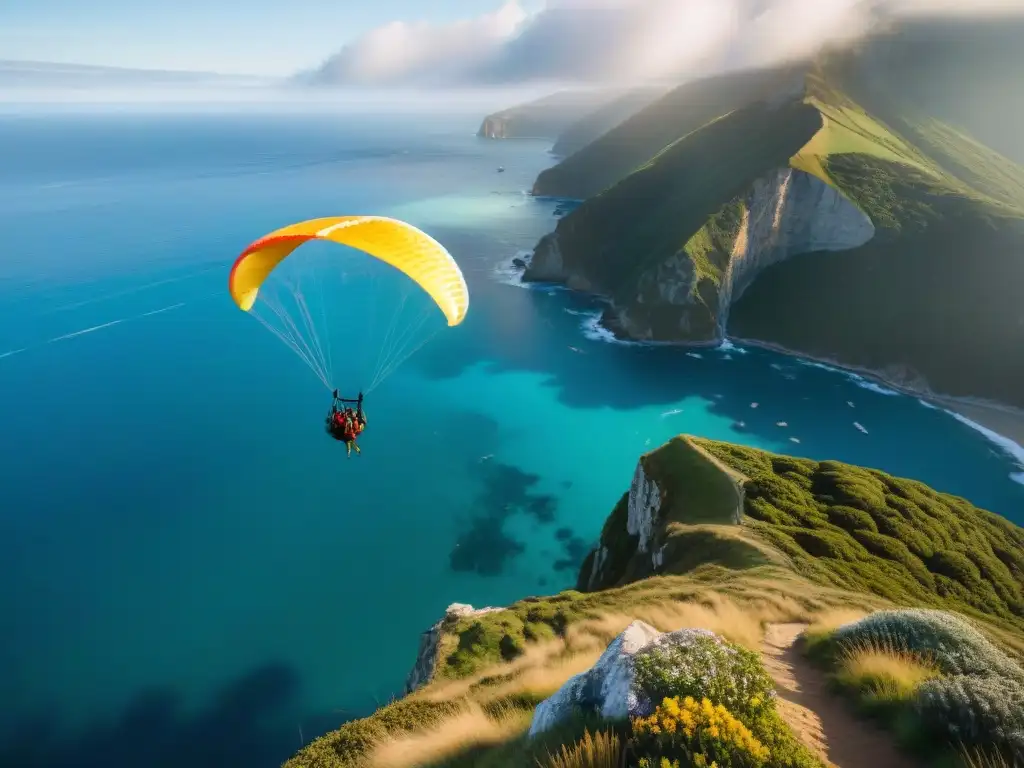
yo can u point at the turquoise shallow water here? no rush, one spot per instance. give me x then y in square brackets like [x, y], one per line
[194, 571]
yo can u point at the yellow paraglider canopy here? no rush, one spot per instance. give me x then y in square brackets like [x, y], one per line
[403, 246]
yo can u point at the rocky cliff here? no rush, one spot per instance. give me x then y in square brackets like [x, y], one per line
[677, 484]
[809, 220]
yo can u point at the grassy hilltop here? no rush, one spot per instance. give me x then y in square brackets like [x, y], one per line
[737, 541]
[890, 235]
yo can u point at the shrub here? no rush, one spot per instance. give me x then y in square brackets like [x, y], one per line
[976, 712]
[698, 663]
[700, 733]
[893, 549]
[954, 645]
[603, 750]
[825, 544]
[851, 519]
[954, 565]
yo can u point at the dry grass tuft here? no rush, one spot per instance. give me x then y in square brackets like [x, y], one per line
[603, 750]
[536, 656]
[977, 758]
[543, 680]
[884, 673]
[742, 624]
[470, 729]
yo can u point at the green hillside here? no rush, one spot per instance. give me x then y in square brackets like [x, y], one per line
[605, 118]
[633, 143]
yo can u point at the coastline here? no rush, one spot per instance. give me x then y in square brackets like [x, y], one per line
[1000, 423]
[1004, 421]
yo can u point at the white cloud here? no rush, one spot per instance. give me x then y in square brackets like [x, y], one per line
[403, 52]
[620, 40]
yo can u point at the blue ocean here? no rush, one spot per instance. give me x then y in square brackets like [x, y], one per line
[194, 573]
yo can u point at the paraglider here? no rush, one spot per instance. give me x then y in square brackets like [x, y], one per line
[425, 267]
[344, 424]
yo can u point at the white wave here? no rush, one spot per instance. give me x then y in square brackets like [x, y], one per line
[816, 364]
[84, 331]
[576, 312]
[775, 366]
[856, 378]
[928, 405]
[850, 403]
[794, 439]
[753, 405]
[695, 355]
[508, 273]
[860, 426]
[727, 356]
[594, 331]
[163, 309]
[11, 353]
[1018, 477]
[781, 424]
[673, 412]
[728, 346]
[863, 383]
[1013, 449]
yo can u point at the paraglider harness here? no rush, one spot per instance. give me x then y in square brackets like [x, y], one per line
[336, 430]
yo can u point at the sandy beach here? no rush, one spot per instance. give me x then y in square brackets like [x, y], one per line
[1008, 422]
[1005, 421]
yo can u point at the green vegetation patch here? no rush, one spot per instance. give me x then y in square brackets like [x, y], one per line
[694, 487]
[864, 530]
[688, 547]
[345, 747]
[711, 247]
[698, 663]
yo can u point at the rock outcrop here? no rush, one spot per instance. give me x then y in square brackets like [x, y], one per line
[786, 213]
[611, 687]
[607, 687]
[642, 512]
[426, 658]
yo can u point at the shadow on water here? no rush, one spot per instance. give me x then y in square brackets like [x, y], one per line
[248, 723]
[485, 546]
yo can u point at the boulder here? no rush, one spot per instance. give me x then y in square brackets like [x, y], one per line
[607, 687]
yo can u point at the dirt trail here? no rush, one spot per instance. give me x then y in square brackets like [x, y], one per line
[823, 721]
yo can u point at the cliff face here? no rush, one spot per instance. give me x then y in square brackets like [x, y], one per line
[787, 213]
[679, 484]
[612, 558]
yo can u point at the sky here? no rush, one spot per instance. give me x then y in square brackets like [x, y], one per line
[448, 42]
[268, 37]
